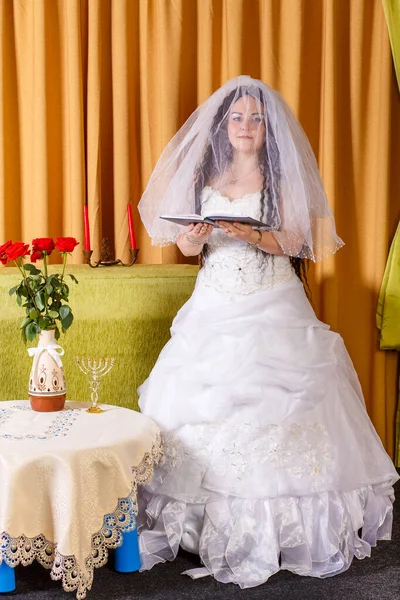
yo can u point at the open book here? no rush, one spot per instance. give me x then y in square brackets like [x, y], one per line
[188, 219]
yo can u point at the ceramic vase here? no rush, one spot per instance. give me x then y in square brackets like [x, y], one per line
[47, 387]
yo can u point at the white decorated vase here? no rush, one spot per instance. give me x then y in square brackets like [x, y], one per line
[47, 387]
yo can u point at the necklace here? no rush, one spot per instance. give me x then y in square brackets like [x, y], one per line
[234, 180]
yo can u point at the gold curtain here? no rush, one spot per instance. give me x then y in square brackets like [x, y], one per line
[92, 91]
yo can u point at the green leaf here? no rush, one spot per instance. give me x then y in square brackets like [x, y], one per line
[44, 322]
[34, 285]
[19, 300]
[64, 311]
[57, 333]
[25, 322]
[33, 314]
[73, 277]
[22, 291]
[67, 322]
[13, 290]
[53, 314]
[31, 269]
[31, 331]
[39, 299]
[48, 288]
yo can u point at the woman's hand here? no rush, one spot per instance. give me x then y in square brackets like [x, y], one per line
[191, 241]
[239, 231]
[266, 242]
[199, 233]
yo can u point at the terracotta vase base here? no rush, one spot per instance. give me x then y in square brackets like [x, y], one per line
[47, 403]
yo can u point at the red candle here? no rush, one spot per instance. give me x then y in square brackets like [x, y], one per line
[87, 230]
[130, 225]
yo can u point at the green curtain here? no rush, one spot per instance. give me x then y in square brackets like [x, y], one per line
[392, 15]
[388, 311]
[388, 314]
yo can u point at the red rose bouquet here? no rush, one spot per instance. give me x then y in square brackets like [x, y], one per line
[44, 297]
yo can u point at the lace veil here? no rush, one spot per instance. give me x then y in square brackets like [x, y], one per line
[293, 200]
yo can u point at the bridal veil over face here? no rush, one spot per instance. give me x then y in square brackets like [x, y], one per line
[293, 201]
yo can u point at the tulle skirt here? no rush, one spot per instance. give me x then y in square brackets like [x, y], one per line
[271, 461]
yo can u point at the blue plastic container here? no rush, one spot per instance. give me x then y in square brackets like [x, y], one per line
[126, 557]
[7, 578]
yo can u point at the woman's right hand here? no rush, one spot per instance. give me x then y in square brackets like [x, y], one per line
[191, 241]
[199, 232]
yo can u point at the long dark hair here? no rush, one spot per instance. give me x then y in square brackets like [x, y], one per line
[219, 153]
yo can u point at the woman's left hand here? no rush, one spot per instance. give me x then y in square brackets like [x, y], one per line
[239, 231]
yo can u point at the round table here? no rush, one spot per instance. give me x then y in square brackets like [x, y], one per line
[68, 485]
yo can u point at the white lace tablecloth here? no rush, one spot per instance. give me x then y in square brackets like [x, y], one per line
[68, 485]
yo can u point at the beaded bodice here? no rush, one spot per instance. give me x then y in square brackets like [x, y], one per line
[232, 265]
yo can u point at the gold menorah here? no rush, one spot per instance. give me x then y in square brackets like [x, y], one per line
[95, 368]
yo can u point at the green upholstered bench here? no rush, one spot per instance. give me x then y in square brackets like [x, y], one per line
[121, 312]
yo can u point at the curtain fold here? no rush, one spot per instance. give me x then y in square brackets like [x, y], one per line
[392, 14]
[92, 91]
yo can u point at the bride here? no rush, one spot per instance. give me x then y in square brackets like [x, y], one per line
[271, 461]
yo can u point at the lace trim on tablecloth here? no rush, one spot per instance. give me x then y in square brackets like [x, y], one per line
[23, 550]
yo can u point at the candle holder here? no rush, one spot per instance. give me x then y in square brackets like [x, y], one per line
[106, 259]
[95, 368]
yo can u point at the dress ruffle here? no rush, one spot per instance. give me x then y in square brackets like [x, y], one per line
[245, 541]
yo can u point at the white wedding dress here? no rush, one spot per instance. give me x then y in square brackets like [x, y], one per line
[271, 461]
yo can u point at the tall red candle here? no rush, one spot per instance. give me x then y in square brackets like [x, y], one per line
[87, 230]
[132, 238]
